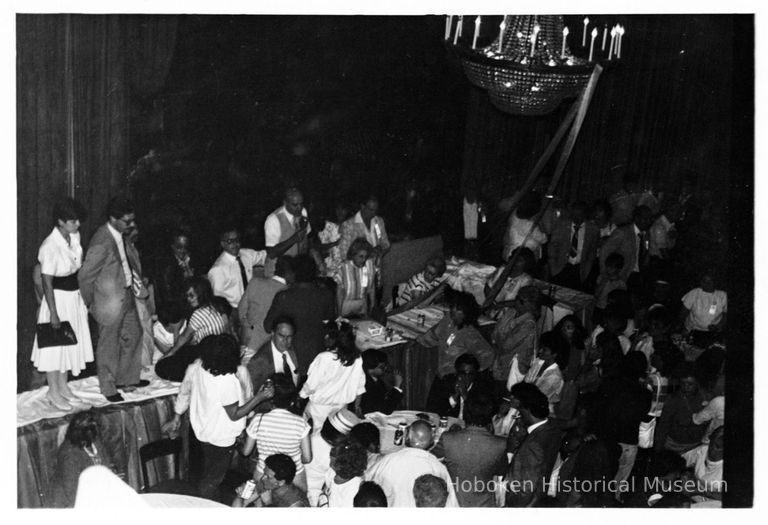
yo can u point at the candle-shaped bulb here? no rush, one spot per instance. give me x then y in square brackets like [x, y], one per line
[565, 31]
[477, 32]
[502, 25]
[592, 43]
[448, 24]
[565, 36]
[584, 33]
[536, 30]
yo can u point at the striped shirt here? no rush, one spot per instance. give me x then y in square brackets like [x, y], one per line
[205, 321]
[356, 282]
[417, 283]
[278, 432]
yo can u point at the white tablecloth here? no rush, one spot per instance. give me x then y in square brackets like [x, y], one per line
[178, 501]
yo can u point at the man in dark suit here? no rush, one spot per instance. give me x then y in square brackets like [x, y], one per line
[572, 248]
[448, 394]
[309, 305]
[109, 280]
[383, 388]
[533, 461]
[275, 356]
[473, 455]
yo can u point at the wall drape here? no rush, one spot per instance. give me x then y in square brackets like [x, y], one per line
[75, 76]
[664, 107]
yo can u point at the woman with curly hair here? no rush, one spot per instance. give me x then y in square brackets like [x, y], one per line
[349, 460]
[81, 448]
[217, 407]
[335, 377]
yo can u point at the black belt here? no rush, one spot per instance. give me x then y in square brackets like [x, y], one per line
[68, 283]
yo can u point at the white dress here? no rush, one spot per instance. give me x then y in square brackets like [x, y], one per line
[60, 259]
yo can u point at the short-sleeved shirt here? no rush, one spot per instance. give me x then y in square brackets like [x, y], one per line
[205, 321]
[341, 495]
[278, 432]
[331, 383]
[356, 282]
[417, 283]
[706, 308]
[58, 258]
[207, 395]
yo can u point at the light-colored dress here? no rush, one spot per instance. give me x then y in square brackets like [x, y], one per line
[60, 259]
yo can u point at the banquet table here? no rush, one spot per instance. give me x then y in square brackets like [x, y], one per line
[387, 425]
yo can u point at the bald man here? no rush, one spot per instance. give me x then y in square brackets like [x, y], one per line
[397, 472]
[286, 229]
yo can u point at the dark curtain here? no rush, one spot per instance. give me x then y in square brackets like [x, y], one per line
[664, 107]
[76, 75]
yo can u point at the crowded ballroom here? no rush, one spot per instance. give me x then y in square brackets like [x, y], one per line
[433, 260]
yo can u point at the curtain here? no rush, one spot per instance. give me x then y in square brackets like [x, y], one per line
[76, 76]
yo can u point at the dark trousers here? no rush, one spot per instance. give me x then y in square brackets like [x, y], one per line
[118, 355]
[215, 463]
[173, 367]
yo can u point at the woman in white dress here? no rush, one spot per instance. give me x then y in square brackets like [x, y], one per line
[61, 256]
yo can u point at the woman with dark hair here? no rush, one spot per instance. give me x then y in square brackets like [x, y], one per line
[573, 334]
[675, 429]
[280, 431]
[521, 230]
[383, 386]
[205, 321]
[335, 377]
[368, 435]
[545, 371]
[78, 452]
[356, 292]
[457, 334]
[342, 481]
[217, 407]
[60, 257]
[518, 277]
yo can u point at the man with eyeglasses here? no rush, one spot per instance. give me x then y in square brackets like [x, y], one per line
[110, 281]
[231, 272]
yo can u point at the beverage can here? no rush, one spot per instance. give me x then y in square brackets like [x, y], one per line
[400, 433]
[248, 489]
[444, 422]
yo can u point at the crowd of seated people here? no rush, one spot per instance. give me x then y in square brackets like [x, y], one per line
[277, 388]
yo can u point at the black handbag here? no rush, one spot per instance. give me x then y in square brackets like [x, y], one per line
[49, 336]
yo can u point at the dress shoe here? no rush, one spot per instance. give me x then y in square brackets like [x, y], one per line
[130, 388]
[115, 398]
[59, 404]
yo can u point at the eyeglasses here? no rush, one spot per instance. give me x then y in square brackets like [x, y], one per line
[234, 240]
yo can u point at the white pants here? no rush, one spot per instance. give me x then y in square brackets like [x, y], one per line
[319, 413]
[317, 468]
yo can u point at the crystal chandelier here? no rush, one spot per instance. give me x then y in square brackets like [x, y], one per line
[529, 68]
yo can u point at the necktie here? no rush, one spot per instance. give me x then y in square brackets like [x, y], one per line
[243, 275]
[287, 368]
[135, 283]
[574, 241]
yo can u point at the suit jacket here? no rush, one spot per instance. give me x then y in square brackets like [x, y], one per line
[471, 454]
[377, 398]
[260, 367]
[532, 465]
[560, 244]
[101, 278]
[254, 306]
[444, 387]
[308, 305]
[624, 241]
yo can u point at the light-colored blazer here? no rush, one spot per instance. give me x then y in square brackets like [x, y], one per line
[101, 278]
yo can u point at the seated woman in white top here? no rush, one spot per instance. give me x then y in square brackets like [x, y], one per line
[349, 460]
[335, 377]
[705, 310]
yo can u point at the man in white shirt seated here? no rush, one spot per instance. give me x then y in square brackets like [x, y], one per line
[396, 473]
[231, 272]
[286, 229]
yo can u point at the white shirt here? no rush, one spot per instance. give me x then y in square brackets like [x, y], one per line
[535, 426]
[470, 220]
[706, 471]
[579, 246]
[626, 344]
[397, 472]
[341, 496]
[121, 248]
[374, 235]
[206, 396]
[58, 258]
[331, 383]
[277, 357]
[272, 231]
[705, 308]
[225, 273]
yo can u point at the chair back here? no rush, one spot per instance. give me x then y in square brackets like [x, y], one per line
[158, 449]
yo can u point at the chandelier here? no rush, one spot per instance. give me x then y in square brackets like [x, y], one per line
[529, 69]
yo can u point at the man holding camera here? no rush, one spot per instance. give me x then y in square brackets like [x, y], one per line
[286, 229]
